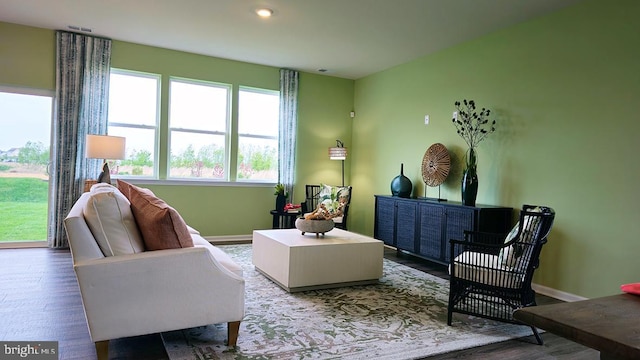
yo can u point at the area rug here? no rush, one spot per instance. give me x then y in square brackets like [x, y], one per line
[402, 317]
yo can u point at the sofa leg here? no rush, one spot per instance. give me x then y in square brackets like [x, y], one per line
[232, 332]
[102, 349]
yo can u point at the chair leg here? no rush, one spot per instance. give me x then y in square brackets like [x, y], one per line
[538, 337]
[102, 349]
[232, 332]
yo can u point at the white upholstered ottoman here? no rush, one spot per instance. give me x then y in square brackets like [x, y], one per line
[299, 262]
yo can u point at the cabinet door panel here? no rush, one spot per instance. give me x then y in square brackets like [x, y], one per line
[458, 220]
[406, 225]
[431, 217]
[385, 220]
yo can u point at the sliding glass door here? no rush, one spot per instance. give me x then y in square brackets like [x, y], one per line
[25, 132]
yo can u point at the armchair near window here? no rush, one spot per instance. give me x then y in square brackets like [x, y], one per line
[490, 275]
[314, 193]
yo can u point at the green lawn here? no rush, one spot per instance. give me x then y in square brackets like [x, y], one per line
[23, 209]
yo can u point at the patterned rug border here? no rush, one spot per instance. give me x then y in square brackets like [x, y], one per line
[401, 317]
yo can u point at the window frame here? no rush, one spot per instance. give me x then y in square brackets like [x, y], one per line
[242, 88]
[226, 133]
[51, 95]
[156, 128]
[163, 133]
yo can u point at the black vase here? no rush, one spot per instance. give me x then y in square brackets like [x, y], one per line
[469, 187]
[470, 179]
[281, 201]
[401, 185]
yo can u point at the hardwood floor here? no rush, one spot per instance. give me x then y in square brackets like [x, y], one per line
[554, 347]
[40, 300]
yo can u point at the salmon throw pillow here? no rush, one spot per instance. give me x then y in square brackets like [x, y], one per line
[161, 226]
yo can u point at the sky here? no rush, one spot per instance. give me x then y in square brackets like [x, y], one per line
[24, 118]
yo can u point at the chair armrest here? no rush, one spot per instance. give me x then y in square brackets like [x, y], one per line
[480, 240]
[477, 241]
[156, 291]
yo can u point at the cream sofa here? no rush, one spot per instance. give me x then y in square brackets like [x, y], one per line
[143, 292]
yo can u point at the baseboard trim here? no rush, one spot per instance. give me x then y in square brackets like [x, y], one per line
[229, 239]
[557, 294]
[543, 290]
[23, 245]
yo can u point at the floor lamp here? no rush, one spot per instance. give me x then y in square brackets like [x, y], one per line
[339, 152]
[105, 147]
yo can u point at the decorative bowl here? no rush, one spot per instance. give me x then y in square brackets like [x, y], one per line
[314, 226]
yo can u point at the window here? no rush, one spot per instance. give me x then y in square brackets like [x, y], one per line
[25, 120]
[258, 122]
[198, 135]
[133, 114]
[199, 140]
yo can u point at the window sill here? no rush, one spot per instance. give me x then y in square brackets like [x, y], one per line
[194, 182]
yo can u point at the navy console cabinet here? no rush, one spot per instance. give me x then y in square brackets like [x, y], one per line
[423, 227]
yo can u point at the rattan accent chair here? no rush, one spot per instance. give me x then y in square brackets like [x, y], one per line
[490, 274]
[312, 199]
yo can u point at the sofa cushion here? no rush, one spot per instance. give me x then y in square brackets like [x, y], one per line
[333, 197]
[485, 269]
[507, 256]
[161, 226]
[512, 255]
[110, 219]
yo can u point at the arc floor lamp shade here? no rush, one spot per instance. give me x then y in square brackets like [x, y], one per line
[107, 148]
[339, 152]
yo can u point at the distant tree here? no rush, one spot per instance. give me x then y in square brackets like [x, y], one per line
[140, 158]
[34, 153]
[264, 159]
[253, 159]
[186, 159]
[211, 155]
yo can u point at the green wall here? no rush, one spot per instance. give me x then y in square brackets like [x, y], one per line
[564, 89]
[27, 59]
[324, 105]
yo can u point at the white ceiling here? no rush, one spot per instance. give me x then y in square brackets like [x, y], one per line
[349, 38]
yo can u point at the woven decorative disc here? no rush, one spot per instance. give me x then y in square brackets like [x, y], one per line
[435, 165]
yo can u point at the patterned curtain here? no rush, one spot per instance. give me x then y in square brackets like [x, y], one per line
[82, 90]
[288, 125]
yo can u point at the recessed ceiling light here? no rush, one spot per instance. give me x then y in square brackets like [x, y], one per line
[264, 12]
[322, 70]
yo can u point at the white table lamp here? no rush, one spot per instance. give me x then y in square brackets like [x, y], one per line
[105, 147]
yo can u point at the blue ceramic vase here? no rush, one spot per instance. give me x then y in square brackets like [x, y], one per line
[401, 186]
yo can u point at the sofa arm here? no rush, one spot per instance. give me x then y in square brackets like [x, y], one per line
[157, 291]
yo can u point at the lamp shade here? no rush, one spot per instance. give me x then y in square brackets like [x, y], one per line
[105, 147]
[339, 152]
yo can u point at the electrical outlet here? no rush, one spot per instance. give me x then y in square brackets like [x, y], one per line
[426, 119]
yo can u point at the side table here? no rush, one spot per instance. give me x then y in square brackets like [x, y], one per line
[284, 220]
[608, 324]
